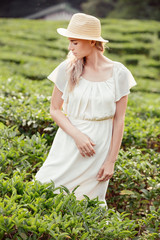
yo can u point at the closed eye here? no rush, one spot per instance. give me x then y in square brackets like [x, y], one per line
[74, 42]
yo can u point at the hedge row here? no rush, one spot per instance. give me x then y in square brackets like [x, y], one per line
[30, 50]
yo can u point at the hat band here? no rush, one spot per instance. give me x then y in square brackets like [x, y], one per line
[84, 35]
[93, 30]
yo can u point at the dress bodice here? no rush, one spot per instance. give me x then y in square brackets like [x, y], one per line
[93, 100]
[90, 100]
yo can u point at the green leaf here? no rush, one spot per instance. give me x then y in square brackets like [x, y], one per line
[23, 235]
[83, 237]
[126, 192]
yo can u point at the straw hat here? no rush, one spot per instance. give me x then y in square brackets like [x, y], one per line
[83, 26]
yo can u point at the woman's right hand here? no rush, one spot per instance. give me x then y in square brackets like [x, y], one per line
[84, 144]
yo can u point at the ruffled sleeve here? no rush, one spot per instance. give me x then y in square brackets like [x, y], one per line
[124, 80]
[59, 76]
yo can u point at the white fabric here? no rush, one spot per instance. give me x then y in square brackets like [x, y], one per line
[59, 76]
[90, 107]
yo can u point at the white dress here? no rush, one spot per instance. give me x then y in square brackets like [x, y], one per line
[90, 108]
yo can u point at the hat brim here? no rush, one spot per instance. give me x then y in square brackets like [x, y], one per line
[64, 32]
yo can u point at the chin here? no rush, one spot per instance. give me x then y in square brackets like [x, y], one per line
[78, 57]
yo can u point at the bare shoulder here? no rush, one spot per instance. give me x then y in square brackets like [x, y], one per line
[108, 63]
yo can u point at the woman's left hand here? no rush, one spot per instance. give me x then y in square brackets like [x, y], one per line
[106, 171]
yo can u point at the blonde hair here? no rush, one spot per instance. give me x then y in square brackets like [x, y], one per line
[75, 66]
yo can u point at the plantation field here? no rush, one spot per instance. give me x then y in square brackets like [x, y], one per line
[29, 51]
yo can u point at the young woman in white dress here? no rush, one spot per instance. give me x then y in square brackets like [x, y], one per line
[93, 91]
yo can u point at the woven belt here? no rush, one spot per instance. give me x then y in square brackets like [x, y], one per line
[87, 119]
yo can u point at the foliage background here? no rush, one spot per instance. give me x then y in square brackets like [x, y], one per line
[30, 50]
[127, 9]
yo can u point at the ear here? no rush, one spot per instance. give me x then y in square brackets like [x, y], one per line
[92, 42]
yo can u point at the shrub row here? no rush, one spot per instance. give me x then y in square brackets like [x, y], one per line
[30, 210]
[30, 50]
[135, 181]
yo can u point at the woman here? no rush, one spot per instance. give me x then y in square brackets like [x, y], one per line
[93, 91]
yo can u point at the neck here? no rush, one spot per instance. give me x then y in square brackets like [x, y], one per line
[94, 59]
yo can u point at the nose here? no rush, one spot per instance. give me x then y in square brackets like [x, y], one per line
[70, 46]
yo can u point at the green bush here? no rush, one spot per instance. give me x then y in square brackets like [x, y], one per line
[35, 210]
[30, 50]
[135, 187]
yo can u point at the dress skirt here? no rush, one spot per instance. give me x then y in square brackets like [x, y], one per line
[66, 166]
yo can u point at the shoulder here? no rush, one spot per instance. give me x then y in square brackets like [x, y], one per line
[121, 71]
[123, 75]
[63, 65]
[120, 67]
[59, 73]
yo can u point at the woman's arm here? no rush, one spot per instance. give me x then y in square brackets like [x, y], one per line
[58, 116]
[107, 169]
[83, 142]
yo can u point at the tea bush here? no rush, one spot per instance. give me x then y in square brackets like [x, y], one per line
[19, 151]
[135, 185]
[30, 50]
[30, 210]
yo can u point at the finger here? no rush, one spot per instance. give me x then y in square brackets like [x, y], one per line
[92, 142]
[91, 149]
[82, 153]
[108, 177]
[100, 173]
[87, 151]
[103, 177]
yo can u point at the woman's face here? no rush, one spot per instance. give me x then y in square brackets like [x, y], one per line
[80, 48]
